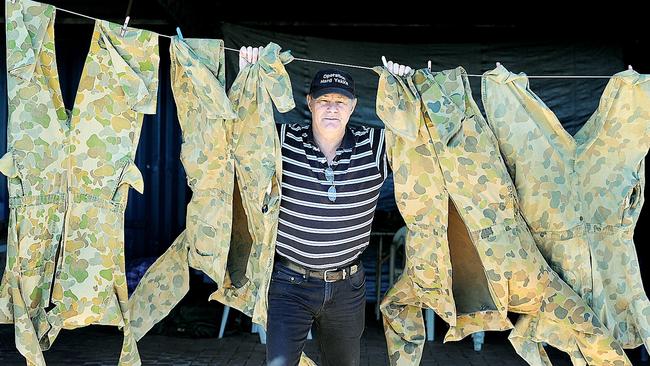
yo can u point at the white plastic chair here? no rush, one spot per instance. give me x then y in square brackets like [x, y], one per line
[399, 240]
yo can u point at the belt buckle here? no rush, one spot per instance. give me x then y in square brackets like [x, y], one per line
[331, 270]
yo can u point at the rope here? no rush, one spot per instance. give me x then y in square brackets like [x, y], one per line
[370, 68]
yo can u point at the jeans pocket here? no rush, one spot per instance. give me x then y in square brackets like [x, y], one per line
[358, 280]
[282, 274]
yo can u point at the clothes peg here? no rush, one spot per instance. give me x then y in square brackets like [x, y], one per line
[126, 24]
[498, 63]
[126, 21]
[180, 35]
[429, 65]
[629, 67]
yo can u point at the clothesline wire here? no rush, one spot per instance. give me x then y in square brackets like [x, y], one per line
[370, 68]
[77, 14]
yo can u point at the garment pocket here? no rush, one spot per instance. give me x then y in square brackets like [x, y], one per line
[203, 236]
[31, 249]
[271, 200]
[37, 235]
[358, 280]
[33, 280]
[281, 274]
[632, 203]
[209, 222]
[451, 133]
[8, 167]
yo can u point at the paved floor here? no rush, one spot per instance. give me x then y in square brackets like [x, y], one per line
[94, 346]
[100, 346]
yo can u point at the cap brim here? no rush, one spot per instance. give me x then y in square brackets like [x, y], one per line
[324, 91]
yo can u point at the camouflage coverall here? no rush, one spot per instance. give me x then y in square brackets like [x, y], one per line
[470, 256]
[231, 154]
[582, 195]
[69, 174]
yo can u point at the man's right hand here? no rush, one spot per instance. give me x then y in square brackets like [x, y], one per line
[249, 55]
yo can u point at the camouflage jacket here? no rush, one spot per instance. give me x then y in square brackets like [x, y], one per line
[470, 256]
[582, 195]
[69, 174]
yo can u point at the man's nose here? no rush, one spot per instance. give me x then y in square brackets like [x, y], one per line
[332, 107]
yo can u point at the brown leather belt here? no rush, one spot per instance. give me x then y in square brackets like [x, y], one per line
[328, 275]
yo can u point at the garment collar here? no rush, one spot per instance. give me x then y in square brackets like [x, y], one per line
[349, 139]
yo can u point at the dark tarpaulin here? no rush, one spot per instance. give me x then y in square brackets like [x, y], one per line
[572, 100]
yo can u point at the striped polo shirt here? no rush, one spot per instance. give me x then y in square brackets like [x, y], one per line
[314, 231]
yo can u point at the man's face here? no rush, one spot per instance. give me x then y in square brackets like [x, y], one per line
[331, 112]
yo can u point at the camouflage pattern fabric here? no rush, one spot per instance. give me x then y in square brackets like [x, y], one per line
[206, 118]
[582, 195]
[464, 231]
[69, 174]
[231, 154]
[258, 165]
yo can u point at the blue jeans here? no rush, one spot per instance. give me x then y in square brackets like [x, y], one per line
[336, 309]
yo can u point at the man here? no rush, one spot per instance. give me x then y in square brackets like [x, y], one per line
[331, 179]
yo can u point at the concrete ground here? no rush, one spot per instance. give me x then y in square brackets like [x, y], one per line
[96, 345]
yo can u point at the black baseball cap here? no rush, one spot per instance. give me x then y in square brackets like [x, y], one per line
[332, 81]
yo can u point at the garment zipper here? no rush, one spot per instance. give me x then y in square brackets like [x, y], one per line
[58, 262]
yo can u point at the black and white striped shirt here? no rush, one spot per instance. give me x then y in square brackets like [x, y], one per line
[313, 231]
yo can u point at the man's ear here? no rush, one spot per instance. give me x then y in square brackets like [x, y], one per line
[354, 104]
[309, 102]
